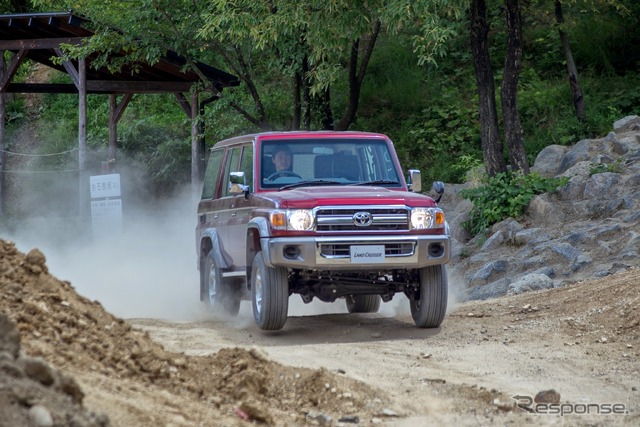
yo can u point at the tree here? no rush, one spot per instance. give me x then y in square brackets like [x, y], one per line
[512, 67]
[574, 82]
[491, 145]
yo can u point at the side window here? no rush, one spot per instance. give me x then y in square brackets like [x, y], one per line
[246, 165]
[212, 174]
[231, 166]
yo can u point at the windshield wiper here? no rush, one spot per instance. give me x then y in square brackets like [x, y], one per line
[311, 182]
[377, 182]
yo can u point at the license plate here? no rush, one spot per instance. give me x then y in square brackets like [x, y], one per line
[367, 254]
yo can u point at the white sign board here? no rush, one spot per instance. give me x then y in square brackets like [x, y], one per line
[105, 186]
[106, 216]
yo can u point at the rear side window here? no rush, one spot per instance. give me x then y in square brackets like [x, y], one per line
[246, 165]
[212, 174]
[231, 166]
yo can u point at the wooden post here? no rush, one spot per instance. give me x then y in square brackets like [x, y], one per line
[83, 179]
[3, 157]
[195, 144]
[115, 114]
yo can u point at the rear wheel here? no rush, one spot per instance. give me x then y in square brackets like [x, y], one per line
[220, 294]
[363, 303]
[269, 294]
[429, 309]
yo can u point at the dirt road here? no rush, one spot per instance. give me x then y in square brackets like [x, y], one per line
[331, 369]
[582, 341]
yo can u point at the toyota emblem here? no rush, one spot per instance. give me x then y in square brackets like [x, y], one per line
[362, 219]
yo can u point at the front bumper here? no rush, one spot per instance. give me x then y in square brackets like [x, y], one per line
[334, 253]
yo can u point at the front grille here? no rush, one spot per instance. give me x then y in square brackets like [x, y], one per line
[391, 249]
[382, 219]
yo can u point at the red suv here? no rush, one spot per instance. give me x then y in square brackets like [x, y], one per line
[319, 214]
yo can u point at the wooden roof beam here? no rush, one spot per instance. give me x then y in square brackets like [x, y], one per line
[102, 86]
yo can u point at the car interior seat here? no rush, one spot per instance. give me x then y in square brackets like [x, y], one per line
[346, 166]
[323, 166]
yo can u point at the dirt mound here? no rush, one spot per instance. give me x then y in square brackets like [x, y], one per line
[77, 334]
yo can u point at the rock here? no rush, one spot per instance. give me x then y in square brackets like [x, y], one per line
[548, 160]
[255, 411]
[566, 250]
[577, 153]
[40, 416]
[547, 396]
[9, 336]
[541, 210]
[491, 290]
[629, 123]
[322, 419]
[354, 419]
[494, 241]
[70, 387]
[35, 261]
[531, 282]
[38, 370]
[531, 236]
[483, 275]
[580, 262]
[505, 405]
[601, 185]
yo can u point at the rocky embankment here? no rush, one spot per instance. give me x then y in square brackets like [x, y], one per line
[589, 228]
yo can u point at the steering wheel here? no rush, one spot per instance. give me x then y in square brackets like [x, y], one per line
[283, 173]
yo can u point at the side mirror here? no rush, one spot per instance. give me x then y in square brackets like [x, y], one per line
[415, 180]
[237, 184]
[438, 187]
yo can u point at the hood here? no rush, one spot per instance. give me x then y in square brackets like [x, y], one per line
[310, 197]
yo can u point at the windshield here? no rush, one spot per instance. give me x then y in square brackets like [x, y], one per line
[340, 160]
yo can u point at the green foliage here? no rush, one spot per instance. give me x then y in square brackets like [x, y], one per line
[443, 142]
[504, 195]
[547, 111]
[613, 167]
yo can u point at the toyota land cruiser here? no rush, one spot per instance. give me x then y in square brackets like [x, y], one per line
[319, 214]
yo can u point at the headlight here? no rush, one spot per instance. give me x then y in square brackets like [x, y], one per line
[294, 219]
[422, 218]
[300, 219]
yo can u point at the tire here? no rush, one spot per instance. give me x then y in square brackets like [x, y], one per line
[363, 303]
[429, 310]
[220, 295]
[269, 295]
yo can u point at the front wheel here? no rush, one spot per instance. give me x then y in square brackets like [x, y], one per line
[363, 303]
[430, 305]
[220, 294]
[269, 294]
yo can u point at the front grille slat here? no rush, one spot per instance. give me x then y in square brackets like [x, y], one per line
[383, 219]
[343, 250]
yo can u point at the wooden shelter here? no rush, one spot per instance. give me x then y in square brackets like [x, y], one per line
[38, 36]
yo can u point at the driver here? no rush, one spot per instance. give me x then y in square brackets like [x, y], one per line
[281, 158]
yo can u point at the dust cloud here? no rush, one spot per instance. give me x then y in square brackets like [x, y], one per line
[146, 270]
[149, 268]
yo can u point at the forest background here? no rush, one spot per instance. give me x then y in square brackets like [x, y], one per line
[455, 83]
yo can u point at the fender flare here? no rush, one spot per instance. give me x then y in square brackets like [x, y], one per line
[216, 245]
[261, 226]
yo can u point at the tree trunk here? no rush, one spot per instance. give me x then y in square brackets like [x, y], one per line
[491, 145]
[356, 75]
[306, 94]
[327, 113]
[512, 67]
[297, 103]
[574, 82]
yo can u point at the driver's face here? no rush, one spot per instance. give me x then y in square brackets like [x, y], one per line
[282, 160]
